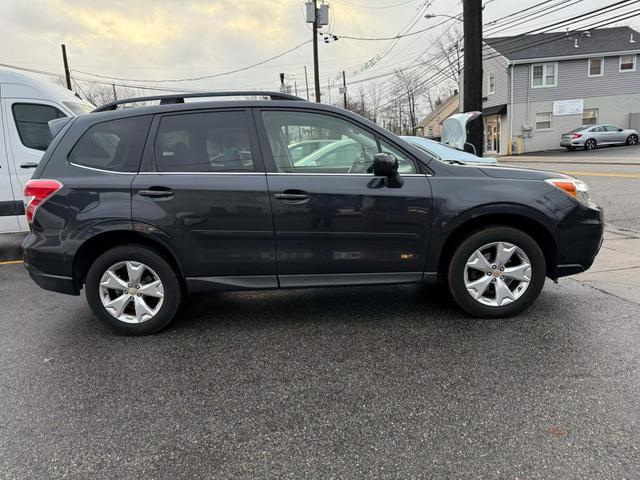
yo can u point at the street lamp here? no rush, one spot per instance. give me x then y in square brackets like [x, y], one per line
[433, 15]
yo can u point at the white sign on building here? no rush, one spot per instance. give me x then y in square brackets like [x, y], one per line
[568, 107]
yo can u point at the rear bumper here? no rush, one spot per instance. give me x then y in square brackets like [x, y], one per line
[55, 283]
[572, 142]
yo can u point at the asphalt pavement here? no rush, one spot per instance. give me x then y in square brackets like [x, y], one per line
[389, 382]
[367, 382]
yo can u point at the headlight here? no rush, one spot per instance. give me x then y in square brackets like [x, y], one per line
[573, 187]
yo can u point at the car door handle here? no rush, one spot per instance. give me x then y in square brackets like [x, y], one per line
[29, 165]
[292, 196]
[156, 192]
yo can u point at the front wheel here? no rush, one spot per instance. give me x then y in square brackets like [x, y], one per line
[133, 290]
[632, 139]
[496, 272]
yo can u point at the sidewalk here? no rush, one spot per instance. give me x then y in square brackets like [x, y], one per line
[616, 270]
[11, 246]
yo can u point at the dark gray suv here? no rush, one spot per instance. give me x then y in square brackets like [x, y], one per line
[140, 206]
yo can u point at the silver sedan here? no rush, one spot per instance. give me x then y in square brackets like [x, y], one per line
[593, 136]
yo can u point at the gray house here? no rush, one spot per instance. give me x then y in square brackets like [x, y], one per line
[536, 87]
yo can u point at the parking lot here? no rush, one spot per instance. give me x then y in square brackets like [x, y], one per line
[387, 382]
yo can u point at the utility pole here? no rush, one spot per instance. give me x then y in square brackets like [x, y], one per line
[295, 86]
[316, 71]
[306, 81]
[472, 20]
[344, 89]
[115, 95]
[66, 66]
[318, 17]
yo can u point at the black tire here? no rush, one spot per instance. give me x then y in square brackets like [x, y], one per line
[456, 273]
[590, 144]
[632, 139]
[167, 275]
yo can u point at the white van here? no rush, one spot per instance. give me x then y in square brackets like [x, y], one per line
[26, 106]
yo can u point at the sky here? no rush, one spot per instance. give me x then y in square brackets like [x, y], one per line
[146, 40]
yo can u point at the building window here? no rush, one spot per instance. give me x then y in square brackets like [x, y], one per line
[628, 63]
[430, 131]
[596, 67]
[492, 83]
[543, 121]
[544, 75]
[590, 116]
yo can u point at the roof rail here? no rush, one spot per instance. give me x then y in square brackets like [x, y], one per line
[179, 98]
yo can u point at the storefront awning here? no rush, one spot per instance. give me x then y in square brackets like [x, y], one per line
[495, 110]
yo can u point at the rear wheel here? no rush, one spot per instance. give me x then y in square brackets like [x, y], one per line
[632, 139]
[590, 144]
[496, 272]
[133, 290]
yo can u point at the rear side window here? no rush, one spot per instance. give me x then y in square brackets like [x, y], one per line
[32, 122]
[204, 142]
[115, 146]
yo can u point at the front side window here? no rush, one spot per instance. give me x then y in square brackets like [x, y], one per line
[115, 146]
[341, 147]
[32, 123]
[544, 75]
[204, 142]
[590, 116]
[543, 121]
[492, 83]
[628, 63]
[611, 128]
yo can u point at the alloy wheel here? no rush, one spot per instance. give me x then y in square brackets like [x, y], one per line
[131, 292]
[632, 140]
[497, 274]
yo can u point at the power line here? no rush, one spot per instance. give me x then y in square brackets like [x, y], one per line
[381, 7]
[204, 77]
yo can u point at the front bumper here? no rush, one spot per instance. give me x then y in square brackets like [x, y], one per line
[579, 237]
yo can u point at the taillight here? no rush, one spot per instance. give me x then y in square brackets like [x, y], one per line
[36, 192]
[577, 135]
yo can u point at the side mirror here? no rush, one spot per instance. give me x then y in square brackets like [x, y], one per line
[620, 130]
[386, 165]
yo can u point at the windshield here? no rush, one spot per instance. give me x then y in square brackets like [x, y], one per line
[79, 108]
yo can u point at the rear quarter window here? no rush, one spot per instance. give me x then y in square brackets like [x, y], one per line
[115, 146]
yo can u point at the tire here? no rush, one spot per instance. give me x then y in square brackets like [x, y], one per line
[632, 139]
[590, 144]
[460, 276]
[143, 312]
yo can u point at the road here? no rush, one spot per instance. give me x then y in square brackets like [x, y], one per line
[388, 382]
